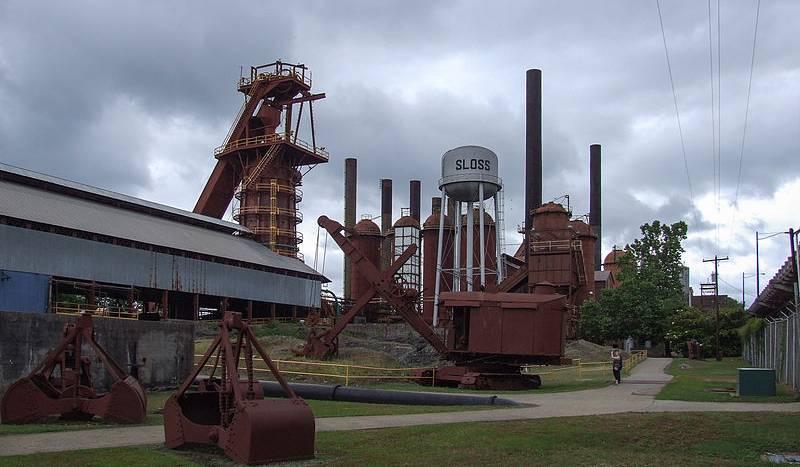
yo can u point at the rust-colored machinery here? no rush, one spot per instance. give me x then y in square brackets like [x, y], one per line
[62, 385]
[231, 413]
[260, 161]
[487, 335]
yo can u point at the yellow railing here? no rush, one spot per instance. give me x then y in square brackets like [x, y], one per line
[268, 139]
[581, 370]
[338, 371]
[106, 312]
[347, 373]
[239, 211]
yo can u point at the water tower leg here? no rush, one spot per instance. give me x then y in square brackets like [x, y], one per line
[470, 246]
[497, 236]
[439, 247]
[481, 238]
[457, 250]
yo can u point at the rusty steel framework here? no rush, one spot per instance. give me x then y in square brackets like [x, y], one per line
[260, 164]
[62, 385]
[231, 412]
[487, 335]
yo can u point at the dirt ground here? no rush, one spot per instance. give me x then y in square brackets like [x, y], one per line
[387, 344]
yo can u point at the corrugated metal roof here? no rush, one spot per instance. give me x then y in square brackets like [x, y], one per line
[49, 207]
[28, 176]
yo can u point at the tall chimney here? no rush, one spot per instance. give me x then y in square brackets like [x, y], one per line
[386, 220]
[414, 201]
[533, 148]
[350, 188]
[436, 204]
[595, 204]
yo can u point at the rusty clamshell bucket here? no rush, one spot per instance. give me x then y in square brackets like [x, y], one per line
[231, 413]
[62, 386]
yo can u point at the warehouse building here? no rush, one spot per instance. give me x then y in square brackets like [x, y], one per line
[66, 247]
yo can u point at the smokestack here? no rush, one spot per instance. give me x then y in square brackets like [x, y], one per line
[436, 204]
[414, 194]
[350, 188]
[533, 148]
[386, 220]
[595, 205]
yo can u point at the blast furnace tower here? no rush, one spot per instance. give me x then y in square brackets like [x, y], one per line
[261, 161]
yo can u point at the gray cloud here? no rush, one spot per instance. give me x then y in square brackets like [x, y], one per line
[108, 93]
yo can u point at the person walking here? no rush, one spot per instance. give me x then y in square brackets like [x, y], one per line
[616, 365]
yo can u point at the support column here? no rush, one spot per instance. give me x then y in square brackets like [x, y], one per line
[470, 245]
[164, 304]
[498, 250]
[439, 253]
[457, 248]
[196, 306]
[481, 239]
[249, 310]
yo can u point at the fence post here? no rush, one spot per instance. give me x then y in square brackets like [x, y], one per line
[347, 375]
[433, 377]
[579, 368]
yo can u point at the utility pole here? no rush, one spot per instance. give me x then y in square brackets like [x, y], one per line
[758, 282]
[793, 252]
[716, 261]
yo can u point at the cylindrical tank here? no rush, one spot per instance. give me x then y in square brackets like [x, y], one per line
[272, 197]
[490, 252]
[406, 233]
[586, 236]
[611, 261]
[367, 239]
[551, 222]
[430, 243]
[465, 168]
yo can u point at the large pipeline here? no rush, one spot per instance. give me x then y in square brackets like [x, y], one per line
[336, 392]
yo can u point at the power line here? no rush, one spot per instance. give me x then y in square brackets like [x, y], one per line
[713, 108]
[675, 100]
[719, 121]
[747, 106]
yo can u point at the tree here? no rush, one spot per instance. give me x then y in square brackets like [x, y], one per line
[650, 291]
[692, 323]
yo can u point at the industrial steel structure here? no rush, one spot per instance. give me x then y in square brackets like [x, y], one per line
[61, 385]
[136, 257]
[259, 163]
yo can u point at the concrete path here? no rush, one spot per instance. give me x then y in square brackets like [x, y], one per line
[636, 394]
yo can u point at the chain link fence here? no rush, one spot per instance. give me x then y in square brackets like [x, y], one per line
[776, 345]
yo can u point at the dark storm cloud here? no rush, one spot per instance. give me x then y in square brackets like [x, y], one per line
[86, 86]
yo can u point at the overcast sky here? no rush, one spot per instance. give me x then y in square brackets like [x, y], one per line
[134, 96]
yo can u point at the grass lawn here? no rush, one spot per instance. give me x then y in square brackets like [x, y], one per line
[321, 409]
[696, 382]
[630, 439]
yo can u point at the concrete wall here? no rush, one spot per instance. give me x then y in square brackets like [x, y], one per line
[163, 350]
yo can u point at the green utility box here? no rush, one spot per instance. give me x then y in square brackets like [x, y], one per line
[756, 382]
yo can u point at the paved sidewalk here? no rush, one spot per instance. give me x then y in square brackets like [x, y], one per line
[636, 394]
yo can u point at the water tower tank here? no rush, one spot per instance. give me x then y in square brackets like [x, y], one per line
[464, 168]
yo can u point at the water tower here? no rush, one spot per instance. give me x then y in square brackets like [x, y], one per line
[469, 176]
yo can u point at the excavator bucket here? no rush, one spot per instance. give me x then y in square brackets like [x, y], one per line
[261, 431]
[22, 403]
[232, 413]
[62, 386]
[125, 403]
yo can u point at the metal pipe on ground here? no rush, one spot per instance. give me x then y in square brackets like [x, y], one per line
[335, 392]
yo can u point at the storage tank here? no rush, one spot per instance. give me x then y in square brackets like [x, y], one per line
[367, 238]
[406, 233]
[430, 242]
[490, 242]
[465, 168]
[588, 239]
